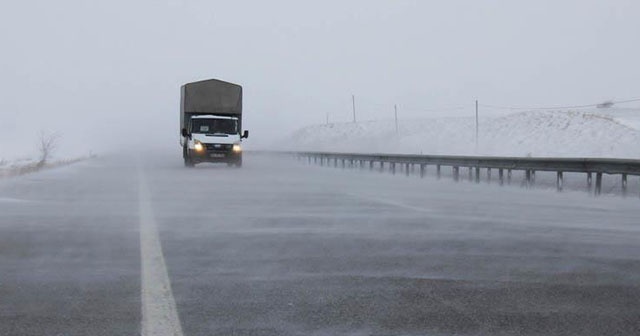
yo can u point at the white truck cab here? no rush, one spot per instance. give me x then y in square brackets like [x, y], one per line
[214, 138]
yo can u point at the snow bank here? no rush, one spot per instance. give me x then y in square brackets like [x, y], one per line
[538, 134]
[21, 167]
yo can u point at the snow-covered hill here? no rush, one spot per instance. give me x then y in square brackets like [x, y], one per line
[539, 133]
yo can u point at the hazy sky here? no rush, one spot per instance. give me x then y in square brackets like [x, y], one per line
[108, 72]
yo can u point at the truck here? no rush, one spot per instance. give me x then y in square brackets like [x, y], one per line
[210, 122]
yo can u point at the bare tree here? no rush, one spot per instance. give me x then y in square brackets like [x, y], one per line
[48, 143]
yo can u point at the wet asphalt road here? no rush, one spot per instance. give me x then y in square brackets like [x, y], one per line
[281, 248]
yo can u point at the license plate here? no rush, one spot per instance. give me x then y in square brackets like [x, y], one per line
[217, 155]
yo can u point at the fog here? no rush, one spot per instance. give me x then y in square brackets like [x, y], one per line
[107, 74]
[140, 244]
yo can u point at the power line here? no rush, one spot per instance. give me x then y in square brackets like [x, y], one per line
[498, 107]
[435, 109]
[627, 101]
[557, 107]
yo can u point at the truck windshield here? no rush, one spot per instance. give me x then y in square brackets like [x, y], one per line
[214, 126]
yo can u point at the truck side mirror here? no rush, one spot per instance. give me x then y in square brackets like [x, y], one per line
[245, 134]
[184, 132]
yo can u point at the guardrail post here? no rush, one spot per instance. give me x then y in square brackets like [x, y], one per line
[489, 175]
[406, 168]
[589, 181]
[335, 162]
[393, 168]
[381, 166]
[371, 165]
[559, 181]
[439, 173]
[477, 174]
[624, 184]
[501, 176]
[423, 169]
[528, 177]
[456, 174]
[470, 173]
[598, 189]
[509, 176]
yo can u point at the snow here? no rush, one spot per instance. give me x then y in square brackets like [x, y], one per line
[626, 116]
[212, 116]
[16, 167]
[11, 164]
[593, 133]
[13, 151]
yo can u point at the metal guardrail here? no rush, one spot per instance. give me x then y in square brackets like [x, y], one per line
[589, 166]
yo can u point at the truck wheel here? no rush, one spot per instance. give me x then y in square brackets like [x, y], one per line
[187, 160]
[236, 163]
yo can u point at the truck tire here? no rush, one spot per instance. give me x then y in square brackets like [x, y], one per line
[187, 160]
[236, 163]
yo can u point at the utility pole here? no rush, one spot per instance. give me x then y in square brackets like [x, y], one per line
[477, 127]
[353, 101]
[395, 108]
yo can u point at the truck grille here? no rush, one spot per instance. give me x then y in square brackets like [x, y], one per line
[218, 147]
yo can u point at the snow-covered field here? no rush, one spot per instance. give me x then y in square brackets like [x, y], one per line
[586, 133]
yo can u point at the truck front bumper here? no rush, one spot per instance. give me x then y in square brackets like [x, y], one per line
[207, 155]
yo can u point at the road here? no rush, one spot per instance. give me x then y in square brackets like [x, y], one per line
[141, 245]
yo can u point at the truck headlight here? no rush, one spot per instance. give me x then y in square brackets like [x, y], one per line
[198, 146]
[237, 148]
